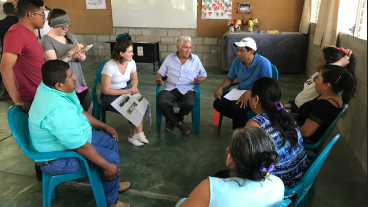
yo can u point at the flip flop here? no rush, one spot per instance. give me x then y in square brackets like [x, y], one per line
[184, 128]
[169, 126]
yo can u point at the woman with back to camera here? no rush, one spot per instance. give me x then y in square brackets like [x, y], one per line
[317, 115]
[251, 156]
[280, 124]
[115, 75]
[328, 56]
[60, 44]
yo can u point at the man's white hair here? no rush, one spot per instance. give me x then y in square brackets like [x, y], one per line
[181, 39]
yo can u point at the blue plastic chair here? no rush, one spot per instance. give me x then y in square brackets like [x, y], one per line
[99, 112]
[307, 181]
[317, 147]
[195, 110]
[251, 114]
[18, 123]
[284, 203]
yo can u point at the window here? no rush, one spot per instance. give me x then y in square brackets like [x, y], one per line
[348, 12]
[361, 23]
[315, 10]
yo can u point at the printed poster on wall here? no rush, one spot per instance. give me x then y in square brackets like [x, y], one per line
[96, 4]
[216, 9]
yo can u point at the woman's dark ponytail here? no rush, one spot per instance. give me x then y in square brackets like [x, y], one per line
[268, 91]
[340, 80]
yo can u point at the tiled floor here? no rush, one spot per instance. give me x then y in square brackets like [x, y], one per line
[172, 165]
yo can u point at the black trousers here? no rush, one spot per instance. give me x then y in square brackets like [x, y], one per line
[233, 111]
[166, 101]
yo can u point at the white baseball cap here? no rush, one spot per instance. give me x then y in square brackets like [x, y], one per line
[246, 42]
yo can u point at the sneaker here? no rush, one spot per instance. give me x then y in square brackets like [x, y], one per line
[141, 137]
[135, 142]
[124, 186]
[120, 204]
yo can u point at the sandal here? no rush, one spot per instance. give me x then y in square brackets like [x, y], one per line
[169, 126]
[185, 130]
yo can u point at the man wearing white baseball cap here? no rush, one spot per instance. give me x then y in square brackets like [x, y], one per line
[249, 67]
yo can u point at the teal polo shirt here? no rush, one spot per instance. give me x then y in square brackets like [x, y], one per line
[56, 122]
[260, 67]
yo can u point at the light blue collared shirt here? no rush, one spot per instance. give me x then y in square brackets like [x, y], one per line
[180, 76]
[56, 121]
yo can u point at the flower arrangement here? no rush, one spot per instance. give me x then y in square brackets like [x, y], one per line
[252, 23]
[236, 24]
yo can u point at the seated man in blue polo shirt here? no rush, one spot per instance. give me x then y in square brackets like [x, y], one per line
[57, 122]
[248, 66]
[183, 71]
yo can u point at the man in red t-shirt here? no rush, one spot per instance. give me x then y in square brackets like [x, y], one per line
[23, 55]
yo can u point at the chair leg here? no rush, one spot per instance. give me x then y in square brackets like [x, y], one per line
[196, 114]
[55, 192]
[158, 120]
[219, 124]
[46, 193]
[97, 188]
[313, 188]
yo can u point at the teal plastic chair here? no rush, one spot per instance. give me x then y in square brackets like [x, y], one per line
[99, 112]
[251, 114]
[195, 110]
[18, 123]
[307, 181]
[317, 147]
[284, 203]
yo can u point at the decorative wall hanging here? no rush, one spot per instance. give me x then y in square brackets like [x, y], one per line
[244, 8]
[216, 9]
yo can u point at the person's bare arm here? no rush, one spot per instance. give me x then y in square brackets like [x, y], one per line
[159, 79]
[89, 152]
[134, 82]
[308, 128]
[51, 54]
[7, 63]
[200, 196]
[228, 81]
[101, 126]
[199, 80]
[105, 87]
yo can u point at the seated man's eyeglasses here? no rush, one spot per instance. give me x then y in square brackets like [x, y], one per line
[43, 14]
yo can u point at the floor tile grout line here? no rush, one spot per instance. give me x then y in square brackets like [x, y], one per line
[6, 138]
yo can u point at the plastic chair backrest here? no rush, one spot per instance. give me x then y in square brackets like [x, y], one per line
[303, 187]
[325, 135]
[18, 123]
[284, 203]
[275, 73]
[98, 72]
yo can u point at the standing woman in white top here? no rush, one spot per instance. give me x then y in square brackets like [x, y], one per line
[328, 56]
[115, 75]
[251, 156]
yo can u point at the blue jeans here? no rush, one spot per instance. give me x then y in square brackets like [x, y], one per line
[107, 147]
